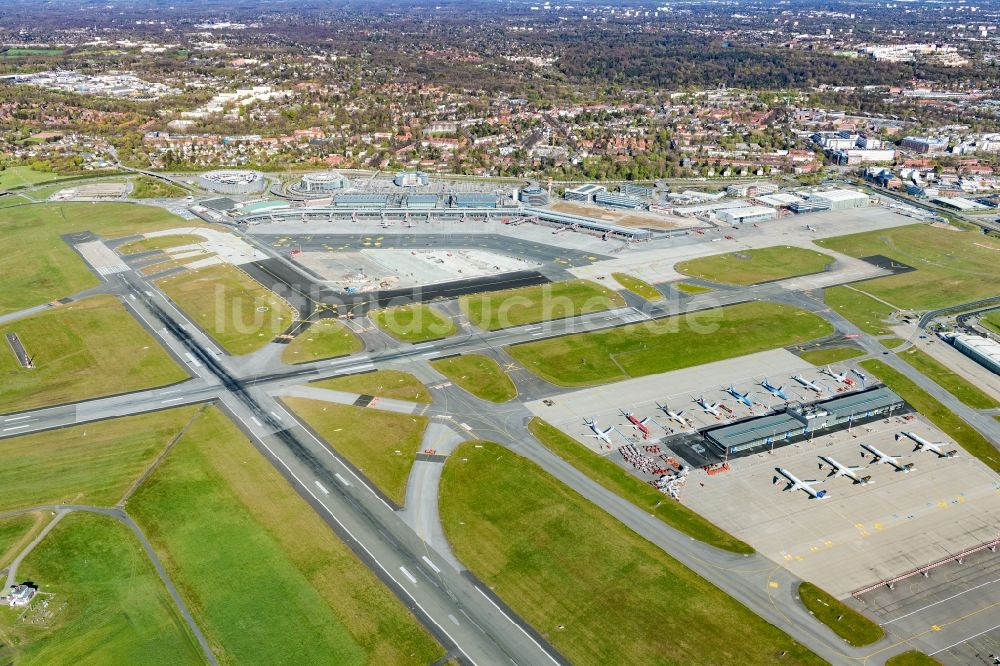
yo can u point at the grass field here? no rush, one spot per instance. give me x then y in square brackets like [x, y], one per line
[381, 444]
[147, 187]
[12, 200]
[225, 302]
[846, 622]
[327, 338]
[414, 323]
[688, 288]
[912, 658]
[618, 481]
[992, 321]
[37, 266]
[21, 176]
[22, 53]
[597, 591]
[952, 266]
[678, 342]
[267, 580]
[820, 357]
[382, 383]
[861, 310]
[936, 413]
[638, 287]
[159, 243]
[118, 611]
[86, 349]
[13, 535]
[892, 342]
[528, 305]
[85, 464]
[947, 379]
[479, 375]
[754, 266]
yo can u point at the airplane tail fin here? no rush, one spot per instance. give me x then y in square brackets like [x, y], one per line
[866, 479]
[908, 466]
[820, 494]
[951, 454]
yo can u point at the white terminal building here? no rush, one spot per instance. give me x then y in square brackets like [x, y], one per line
[747, 215]
[321, 183]
[233, 181]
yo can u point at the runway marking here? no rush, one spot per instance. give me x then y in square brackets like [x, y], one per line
[454, 619]
[169, 392]
[195, 362]
[995, 580]
[17, 418]
[408, 575]
[171, 400]
[964, 640]
[341, 479]
[256, 422]
[20, 427]
[275, 415]
[530, 637]
[430, 564]
[433, 353]
[322, 489]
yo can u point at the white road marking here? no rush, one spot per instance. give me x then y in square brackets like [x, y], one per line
[195, 362]
[433, 353]
[430, 564]
[20, 427]
[995, 580]
[341, 479]
[172, 400]
[256, 422]
[17, 418]
[530, 637]
[466, 426]
[964, 640]
[169, 392]
[275, 415]
[320, 486]
[453, 619]
[408, 575]
[535, 335]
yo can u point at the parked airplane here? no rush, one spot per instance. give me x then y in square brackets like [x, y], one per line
[776, 391]
[741, 397]
[839, 469]
[878, 456]
[837, 376]
[811, 228]
[636, 423]
[674, 416]
[604, 435]
[923, 445]
[794, 483]
[860, 375]
[708, 407]
[808, 384]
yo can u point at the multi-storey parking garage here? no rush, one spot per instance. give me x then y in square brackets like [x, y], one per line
[232, 181]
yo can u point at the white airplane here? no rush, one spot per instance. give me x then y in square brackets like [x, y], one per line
[794, 483]
[837, 376]
[674, 416]
[708, 407]
[839, 469]
[776, 391]
[603, 435]
[808, 384]
[878, 456]
[923, 445]
[860, 375]
[811, 228]
[740, 397]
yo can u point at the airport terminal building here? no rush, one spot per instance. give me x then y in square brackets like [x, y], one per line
[799, 421]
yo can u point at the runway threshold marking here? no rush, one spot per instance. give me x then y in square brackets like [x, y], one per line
[256, 422]
[341, 479]
[168, 400]
[322, 488]
[17, 418]
[20, 427]
[430, 564]
[408, 575]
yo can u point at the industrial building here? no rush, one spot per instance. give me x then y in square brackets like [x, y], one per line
[747, 215]
[583, 193]
[709, 208]
[984, 351]
[779, 199]
[751, 189]
[855, 156]
[420, 201]
[842, 199]
[320, 184]
[618, 200]
[645, 191]
[958, 203]
[533, 196]
[925, 145]
[799, 422]
[233, 181]
[411, 179]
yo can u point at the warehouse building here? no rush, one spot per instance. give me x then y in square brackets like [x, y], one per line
[779, 199]
[842, 199]
[799, 422]
[709, 208]
[747, 215]
[645, 191]
[810, 205]
[618, 200]
[984, 351]
[583, 193]
[751, 189]
[420, 201]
